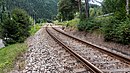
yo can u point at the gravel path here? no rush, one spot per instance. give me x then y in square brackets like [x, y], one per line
[46, 56]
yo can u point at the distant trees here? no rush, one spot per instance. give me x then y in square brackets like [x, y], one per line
[127, 6]
[15, 21]
[115, 27]
[36, 8]
[67, 9]
[15, 26]
[119, 7]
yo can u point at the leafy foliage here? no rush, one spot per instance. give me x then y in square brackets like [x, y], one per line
[9, 54]
[35, 28]
[71, 23]
[15, 27]
[118, 7]
[112, 28]
[88, 25]
[118, 32]
[35, 8]
[66, 9]
[115, 28]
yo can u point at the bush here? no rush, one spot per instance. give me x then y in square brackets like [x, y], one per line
[9, 55]
[15, 28]
[109, 29]
[88, 25]
[81, 26]
[114, 29]
[35, 28]
[71, 23]
[118, 32]
[123, 32]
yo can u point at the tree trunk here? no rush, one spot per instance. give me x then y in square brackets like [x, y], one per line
[80, 9]
[87, 8]
[127, 7]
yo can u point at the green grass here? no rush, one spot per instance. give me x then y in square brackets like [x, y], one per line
[35, 28]
[71, 23]
[9, 54]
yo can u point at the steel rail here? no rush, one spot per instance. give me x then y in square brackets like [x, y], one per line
[89, 65]
[102, 49]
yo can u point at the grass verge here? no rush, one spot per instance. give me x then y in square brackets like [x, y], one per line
[9, 54]
[71, 23]
[35, 28]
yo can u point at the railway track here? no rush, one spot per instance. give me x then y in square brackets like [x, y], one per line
[99, 61]
[68, 64]
[90, 68]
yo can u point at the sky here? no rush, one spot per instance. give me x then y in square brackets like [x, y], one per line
[95, 2]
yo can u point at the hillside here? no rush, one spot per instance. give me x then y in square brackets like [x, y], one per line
[36, 8]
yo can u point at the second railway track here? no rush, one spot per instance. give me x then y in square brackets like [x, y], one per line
[101, 61]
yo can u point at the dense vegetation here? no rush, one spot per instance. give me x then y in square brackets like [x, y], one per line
[115, 26]
[8, 56]
[15, 26]
[17, 23]
[38, 9]
[17, 17]
[35, 28]
[66, 9]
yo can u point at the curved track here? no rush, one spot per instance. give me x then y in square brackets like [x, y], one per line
[103, 49]
[112, 59]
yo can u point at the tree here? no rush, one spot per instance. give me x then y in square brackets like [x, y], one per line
[15, 27]
[80, 8]
[35, 8]
[127, 7]
[87, 8]
[67, 9]
[118, 7]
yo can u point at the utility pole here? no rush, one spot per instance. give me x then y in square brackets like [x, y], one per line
[127, 7]
[87, 8]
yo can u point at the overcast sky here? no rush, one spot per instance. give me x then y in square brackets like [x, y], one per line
[95, 2]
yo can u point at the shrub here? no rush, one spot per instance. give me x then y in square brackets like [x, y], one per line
[123, 32]
[73, 23]
[109, 29]
[117, 32]
[9, 55]
[81, 26]
[88, 25]
[34, 29]
[15, 28]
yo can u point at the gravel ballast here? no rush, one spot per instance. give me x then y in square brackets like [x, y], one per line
[46, 56]
[98, 39]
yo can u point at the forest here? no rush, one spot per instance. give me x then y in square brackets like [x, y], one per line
[38, 9]
[23, 13]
